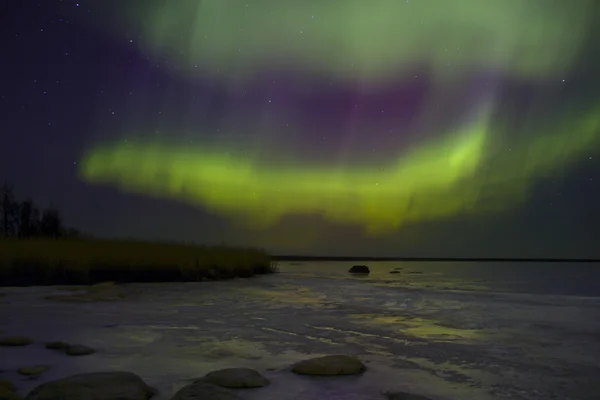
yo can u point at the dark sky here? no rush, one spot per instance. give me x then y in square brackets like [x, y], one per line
[70, 82]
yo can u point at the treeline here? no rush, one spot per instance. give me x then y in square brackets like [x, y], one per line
[23, 220]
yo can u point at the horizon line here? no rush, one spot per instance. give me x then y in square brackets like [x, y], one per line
[433, 259]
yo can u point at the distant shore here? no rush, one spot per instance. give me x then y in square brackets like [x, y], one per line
[434, 259]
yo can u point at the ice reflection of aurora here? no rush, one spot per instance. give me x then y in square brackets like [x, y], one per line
[434, 181]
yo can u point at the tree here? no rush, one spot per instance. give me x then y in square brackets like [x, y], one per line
[51, 223]
[23, 220]
[8, 210]
[28, 224]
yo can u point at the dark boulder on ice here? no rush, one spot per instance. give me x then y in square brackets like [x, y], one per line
[330, 365]
[359, 269]
[79, 350]
[204, 391]
[34, 370]
[7, 384]
[7, 390]
[235, 378]
[405, 396]
[15, 341]
[7, 394]
[98, 385]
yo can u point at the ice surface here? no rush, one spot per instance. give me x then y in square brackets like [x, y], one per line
[440, 343]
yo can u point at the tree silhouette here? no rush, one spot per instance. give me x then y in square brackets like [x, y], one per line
[28, 224]
[51, 224]
[24, 220]
[7, 205]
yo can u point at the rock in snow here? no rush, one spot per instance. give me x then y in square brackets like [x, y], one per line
[236, 378]
[330, 365]
[98, 385]
[359, 269]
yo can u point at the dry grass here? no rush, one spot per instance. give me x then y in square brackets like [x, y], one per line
[79, 261]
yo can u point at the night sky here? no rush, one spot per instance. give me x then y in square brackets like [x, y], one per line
[311, 127]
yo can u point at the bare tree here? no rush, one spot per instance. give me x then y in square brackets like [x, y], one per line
[28, 224]
[51, 224]
[24, 220]
[8, 210]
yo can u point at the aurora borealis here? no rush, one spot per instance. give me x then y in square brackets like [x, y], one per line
[311, 127]
[441, 158]
[367, 42]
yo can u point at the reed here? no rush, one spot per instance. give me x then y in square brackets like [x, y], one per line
[87, 261]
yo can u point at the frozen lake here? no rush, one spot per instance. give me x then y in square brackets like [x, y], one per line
[443, 335]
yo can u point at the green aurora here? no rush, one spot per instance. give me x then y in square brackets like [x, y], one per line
[365, 43]
[434, 181]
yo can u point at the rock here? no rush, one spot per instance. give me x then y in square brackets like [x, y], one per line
[34, 370]
[15, 341]
[6, 394]
[79, 350]
[330, 365]
[94, 386]
[57, 345]
[359, 269]
[404, 396]
[236, 378]
[7, 384]
[204, 391]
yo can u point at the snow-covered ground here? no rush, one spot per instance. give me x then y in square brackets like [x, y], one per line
[445, 344]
